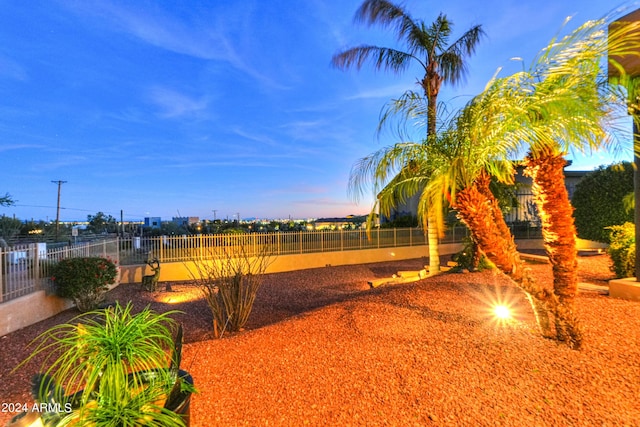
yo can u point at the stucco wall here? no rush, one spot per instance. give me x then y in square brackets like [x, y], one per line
[29, 309]
[179, 271]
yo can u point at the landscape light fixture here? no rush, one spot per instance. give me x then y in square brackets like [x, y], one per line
[502, 312]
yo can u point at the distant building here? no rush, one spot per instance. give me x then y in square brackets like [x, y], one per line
[525, 211]
[152, 222]
[350, 221]
[185, 220]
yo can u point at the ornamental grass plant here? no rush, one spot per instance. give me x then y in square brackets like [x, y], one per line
[112, 368]
[229, 278]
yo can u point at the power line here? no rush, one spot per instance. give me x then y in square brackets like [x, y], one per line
[78, 209]
[51, 207]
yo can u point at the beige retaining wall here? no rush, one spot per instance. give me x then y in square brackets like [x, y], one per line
[178, 271]
[32, 308]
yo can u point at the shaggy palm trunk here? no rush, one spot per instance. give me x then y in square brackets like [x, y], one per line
[559, 235]
[479, 210]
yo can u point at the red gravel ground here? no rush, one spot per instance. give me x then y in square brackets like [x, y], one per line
[321, 348]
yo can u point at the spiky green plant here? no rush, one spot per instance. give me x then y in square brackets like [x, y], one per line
[109, 368]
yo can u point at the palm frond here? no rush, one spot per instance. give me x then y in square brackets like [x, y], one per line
[452, 64]
[381, 57]
[387, 14]
[378, 168]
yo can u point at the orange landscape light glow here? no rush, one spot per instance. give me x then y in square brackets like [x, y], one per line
[178, 297]
[502, 312]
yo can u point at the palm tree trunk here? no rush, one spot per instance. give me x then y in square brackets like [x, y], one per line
[434, 253]
[559, 235]
[479, 210]
[432, 227]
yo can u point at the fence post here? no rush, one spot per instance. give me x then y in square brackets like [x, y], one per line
[255, 246]
[35, 253]
[300, 237]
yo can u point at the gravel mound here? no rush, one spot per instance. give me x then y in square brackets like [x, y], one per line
[322, 348]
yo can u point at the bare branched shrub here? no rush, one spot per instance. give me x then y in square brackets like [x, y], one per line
[229, 277]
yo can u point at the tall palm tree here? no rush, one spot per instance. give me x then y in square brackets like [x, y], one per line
[429, 47]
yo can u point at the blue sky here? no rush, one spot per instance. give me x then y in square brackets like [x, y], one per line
[171, 108]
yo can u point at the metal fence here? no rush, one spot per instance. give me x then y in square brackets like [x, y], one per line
[183, 248]
[26, 268]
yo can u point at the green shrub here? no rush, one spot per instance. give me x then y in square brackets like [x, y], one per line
[622, 249]
[404, 221]
[598, 200]
[84, 280]
[467, 257]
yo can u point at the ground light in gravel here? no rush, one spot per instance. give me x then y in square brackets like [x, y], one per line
[500, 304]
[179, 297]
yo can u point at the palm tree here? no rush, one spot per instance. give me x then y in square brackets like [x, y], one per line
[453, 169]
[571, 112]
[428, 46]
[556, 106]
[6, 200]
[468, 156]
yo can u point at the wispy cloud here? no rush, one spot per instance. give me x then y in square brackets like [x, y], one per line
[298, 189]
[154, 26]
[386, 92]
[303, 129]
[174, 104]
[11, 69]
[323, 201]
[208, 35]
[69, 161]
[260, 138]
[10, 147]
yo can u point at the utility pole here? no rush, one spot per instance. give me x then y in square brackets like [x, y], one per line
[58, 209]
[214, 215]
